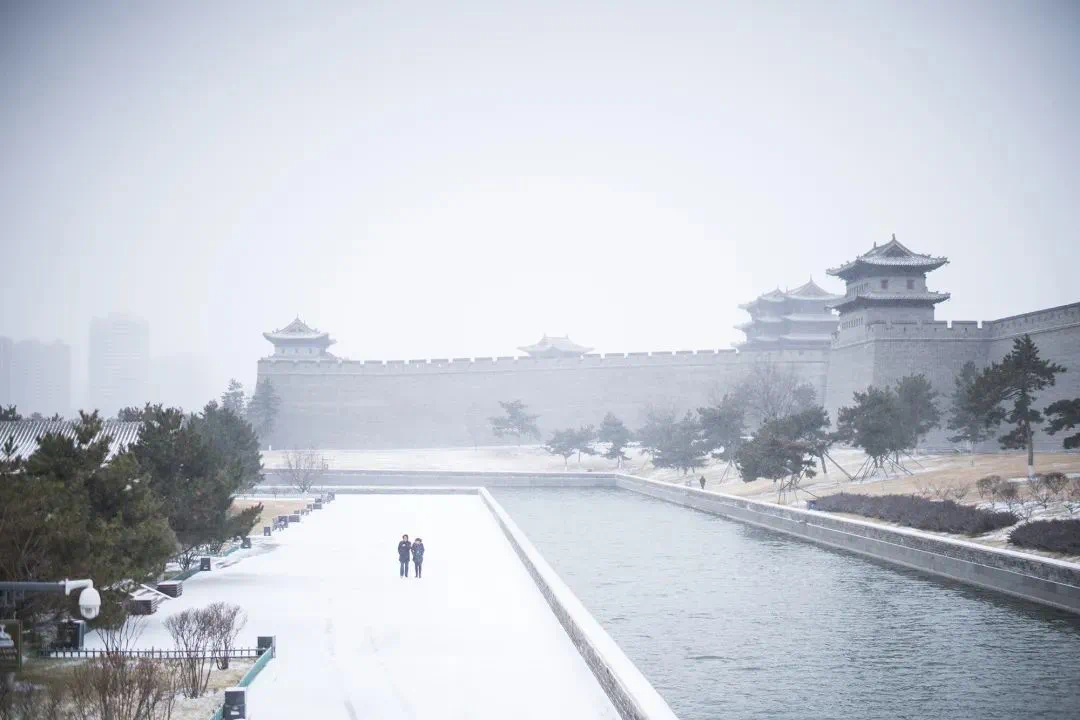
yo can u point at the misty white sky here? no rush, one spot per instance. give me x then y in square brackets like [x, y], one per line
[434, 179]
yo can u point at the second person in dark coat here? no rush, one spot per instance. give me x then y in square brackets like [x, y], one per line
[403, 549]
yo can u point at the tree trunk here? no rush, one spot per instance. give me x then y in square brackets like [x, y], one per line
[1031, 452]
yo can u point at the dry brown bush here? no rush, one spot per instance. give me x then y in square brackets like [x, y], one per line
[26, 702]
[116, 687]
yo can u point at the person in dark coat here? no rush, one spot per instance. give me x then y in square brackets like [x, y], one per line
[702, 481]
[418, 556]
[403, 549]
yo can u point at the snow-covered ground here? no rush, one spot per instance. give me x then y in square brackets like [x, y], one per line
[472, 639]
[928, 472]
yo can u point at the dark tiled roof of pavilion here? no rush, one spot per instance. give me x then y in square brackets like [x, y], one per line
[891, 254]
[27, 432]
[555, 345]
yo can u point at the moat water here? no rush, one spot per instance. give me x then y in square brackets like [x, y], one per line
[731, 621]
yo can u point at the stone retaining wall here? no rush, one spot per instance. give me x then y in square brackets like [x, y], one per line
[1043, 580]
[632, 694]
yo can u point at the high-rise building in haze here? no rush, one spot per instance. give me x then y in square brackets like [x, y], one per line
[6, 348]
[37, 376]
[119, 362]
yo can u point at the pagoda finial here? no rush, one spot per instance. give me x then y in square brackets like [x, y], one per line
[894, 237]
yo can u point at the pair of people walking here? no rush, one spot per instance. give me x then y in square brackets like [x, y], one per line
[415, 550]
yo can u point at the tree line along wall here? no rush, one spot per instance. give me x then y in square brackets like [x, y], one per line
[881, 353]
[347, 404]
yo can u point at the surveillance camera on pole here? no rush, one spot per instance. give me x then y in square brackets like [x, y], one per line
[89, 598]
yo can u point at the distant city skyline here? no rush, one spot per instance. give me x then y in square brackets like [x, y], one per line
[41, 376]
[36, 376]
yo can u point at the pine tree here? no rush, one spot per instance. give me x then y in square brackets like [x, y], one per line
[262, 409]
[723, 427]
[1016, 381]
[233, 398]
[516, 421]
[563, 443]
[584, 439]
[196, 468]
[1065, 415]
[919, 413]
[786, 448]
[235, 441]
[970, 413]
[616, 436]
[874, 424]
[681, 446]
[72, 511]
[9, 413]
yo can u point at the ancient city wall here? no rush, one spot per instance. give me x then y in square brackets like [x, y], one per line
[447, 402]
[337, 403]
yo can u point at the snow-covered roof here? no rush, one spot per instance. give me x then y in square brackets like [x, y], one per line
[807, 338]
[891, 254]
[807, 291]
[824, 318]
[878, 296]
[811, 291]
[27, 432]
[299, 331]
[554, 347]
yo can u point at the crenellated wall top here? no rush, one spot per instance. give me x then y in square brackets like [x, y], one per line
[1042, 320]
[273, 364]
[1048, 319]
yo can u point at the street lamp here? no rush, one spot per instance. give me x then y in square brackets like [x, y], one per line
[89, 598]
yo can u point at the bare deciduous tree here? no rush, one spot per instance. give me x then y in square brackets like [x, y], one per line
[193, 636]
[304, 468]
[770, 391]
[123, 635]
[225, 622]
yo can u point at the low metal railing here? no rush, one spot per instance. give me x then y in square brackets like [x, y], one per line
[151, 654]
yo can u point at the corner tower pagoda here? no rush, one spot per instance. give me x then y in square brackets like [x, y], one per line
[799, 318]
[888, 284]
[297, 339]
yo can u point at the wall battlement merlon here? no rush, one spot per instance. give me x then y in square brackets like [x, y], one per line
[332, 366]
[1031, 323]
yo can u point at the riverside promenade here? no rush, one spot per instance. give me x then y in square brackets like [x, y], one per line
[474, 638]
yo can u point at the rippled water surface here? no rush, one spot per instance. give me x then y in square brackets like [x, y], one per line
[729, 621]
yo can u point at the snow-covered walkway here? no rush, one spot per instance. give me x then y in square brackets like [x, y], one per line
[472, 639]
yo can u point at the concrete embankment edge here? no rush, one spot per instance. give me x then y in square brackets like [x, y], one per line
[1042, 580]
[630, 692]
[445, 478]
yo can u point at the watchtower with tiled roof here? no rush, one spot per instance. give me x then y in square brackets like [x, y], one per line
[797, 318]
[888, 284]
[555, 347]
[297, 338]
